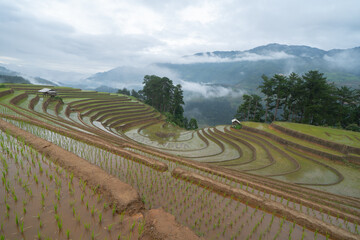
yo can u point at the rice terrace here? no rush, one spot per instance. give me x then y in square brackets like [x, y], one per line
[92, 165]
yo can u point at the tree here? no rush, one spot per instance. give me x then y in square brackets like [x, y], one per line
[251, 108]
[256, 108]
[178, 101]
[280, 91]
[308, 99]
[244, 109]
[296, 99]
[347, 104]
[165, 97]
[135, 94]
[192, 124]
[124, 91]
[267, 90]
[317, 99]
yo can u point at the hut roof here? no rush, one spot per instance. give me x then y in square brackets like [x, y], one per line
[44, 90]
[235, 121]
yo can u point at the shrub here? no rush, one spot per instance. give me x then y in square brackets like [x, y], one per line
[353, 127]
[237, 126]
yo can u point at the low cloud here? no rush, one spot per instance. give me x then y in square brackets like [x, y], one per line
[345, 59]
[192, 89]
[242, 56]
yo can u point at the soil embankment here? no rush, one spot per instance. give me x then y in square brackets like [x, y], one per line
[121, 194]
[158, 223]
[283, 141]
[332, 145]
[267, 205]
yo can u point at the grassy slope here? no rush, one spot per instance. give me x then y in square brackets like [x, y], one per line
[330, 134]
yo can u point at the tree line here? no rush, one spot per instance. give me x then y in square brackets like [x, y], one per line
[163, 95]
[308, 99]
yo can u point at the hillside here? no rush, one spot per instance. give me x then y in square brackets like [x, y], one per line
[243, 69]
[211, 78]
[112, 157]
[9, 76]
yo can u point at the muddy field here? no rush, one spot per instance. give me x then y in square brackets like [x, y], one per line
[142, 178]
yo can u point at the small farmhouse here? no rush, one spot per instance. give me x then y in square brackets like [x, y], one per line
[48, 92]
[235, 122]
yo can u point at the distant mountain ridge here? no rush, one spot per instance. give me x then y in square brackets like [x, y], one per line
[7, 72]
[237, 71]
[244, 68]
[295, 50]
[9, 76]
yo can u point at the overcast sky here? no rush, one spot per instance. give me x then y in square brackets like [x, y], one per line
[88, 36]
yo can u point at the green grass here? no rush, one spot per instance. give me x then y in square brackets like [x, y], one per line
[336, 135]
[267, 128]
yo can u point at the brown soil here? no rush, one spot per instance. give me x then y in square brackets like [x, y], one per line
[293, 192]
[4, 93]
[159, 224]
[16, 99]
[122, 195]
[267, 205]
[218, 171]
[90, 139]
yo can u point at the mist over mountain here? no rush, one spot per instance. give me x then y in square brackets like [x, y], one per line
[7, 72]
[221, 77]
[243, 69]
[10, 76]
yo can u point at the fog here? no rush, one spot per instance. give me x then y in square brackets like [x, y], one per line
[192, 89]
[243, 56]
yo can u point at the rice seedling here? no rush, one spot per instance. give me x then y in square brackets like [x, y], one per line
[132, 226]
[22, 227]
[100, 217]
[87, 226]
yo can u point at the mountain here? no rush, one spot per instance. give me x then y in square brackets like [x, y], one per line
[120, 77]
[13, 79]
[43, 81]
[103, 88]
[6, 72]
[9, 76]
[244, 68]
[219, 78]
[299, 51]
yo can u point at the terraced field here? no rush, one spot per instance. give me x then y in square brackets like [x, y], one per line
[278, 181]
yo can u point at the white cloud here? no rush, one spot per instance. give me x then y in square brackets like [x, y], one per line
[209, 91]
[90, 36]
[243, 57]
[5, 59]
[205, 13]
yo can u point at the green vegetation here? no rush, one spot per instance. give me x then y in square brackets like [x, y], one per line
[118, 134]
[168, 99]
[307, 99]
[13, 79]
[325, 133]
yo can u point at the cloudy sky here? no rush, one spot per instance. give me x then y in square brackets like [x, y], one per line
[87, 36]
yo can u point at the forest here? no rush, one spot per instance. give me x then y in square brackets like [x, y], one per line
[308, 99]
[165, 97]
